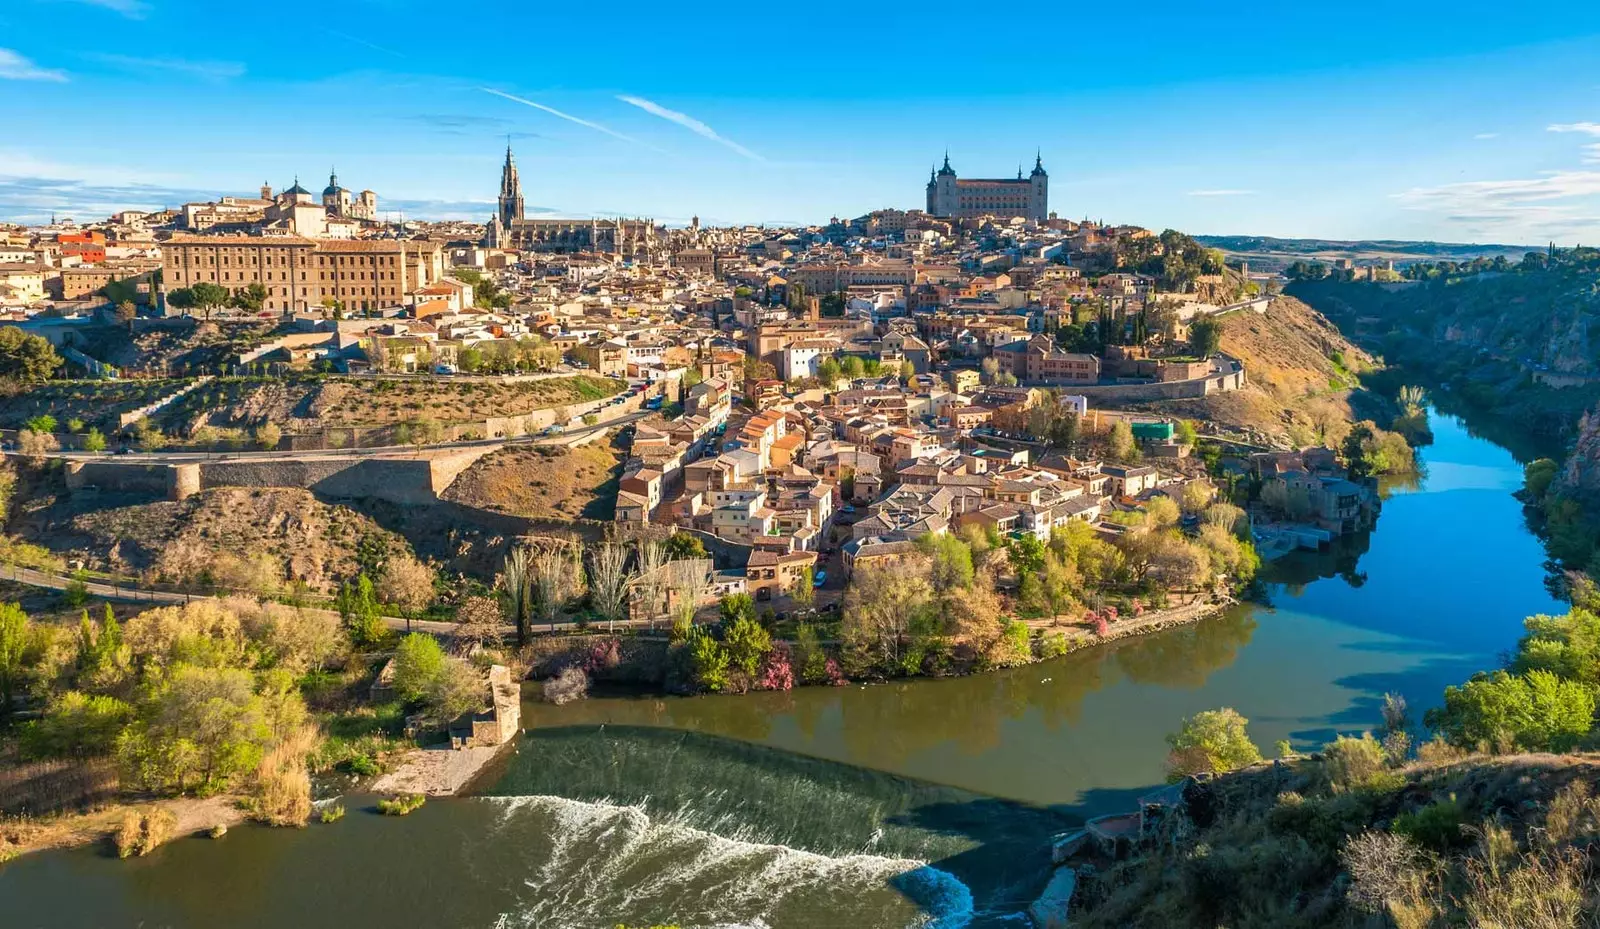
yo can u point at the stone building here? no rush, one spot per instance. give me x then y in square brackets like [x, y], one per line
[510, 228]
[950, 197]
[300, 273]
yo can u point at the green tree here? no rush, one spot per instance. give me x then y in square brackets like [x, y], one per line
[951, 561]
[16, 635]
[733, 607]
[1205, 337]
[251, 299]
[1211, 741]
[199, 729]
[357, 604]
[828, 372]
[1120, 445]
[708, 662]
[852, 367]
[747, 644]
[1537, 711]
[803, 591]
[43, 424]
[77, 725]
[418, 663]
[25, 357]
[209, 296]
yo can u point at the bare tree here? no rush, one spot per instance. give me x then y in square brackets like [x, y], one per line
[552, 584]
[478, 622]
[608, 581]
[518, 582]
[652, 584]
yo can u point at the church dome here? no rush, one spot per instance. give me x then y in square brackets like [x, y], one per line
[333, 187]
[297, 189]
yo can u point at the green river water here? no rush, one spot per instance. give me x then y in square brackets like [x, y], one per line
[920, 803]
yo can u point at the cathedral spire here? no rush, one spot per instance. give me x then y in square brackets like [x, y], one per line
[510, 190]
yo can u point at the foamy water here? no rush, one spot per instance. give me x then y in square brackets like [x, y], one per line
[597, 864]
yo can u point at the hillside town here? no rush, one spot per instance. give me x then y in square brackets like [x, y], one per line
[809, 400]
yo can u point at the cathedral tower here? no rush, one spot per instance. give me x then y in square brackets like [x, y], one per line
[510, 192]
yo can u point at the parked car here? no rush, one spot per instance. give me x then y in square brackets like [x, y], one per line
[820, 578]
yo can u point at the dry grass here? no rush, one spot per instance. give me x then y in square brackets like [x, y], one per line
[283, 784]
[1279, 846]
[234, 536]
[546, 483]
[142, 831]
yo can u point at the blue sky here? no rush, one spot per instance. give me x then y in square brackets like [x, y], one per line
[1455, 121]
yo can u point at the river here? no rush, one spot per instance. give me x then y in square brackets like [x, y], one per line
[916, 803]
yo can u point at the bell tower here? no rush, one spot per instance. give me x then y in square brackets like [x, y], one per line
[510, 191]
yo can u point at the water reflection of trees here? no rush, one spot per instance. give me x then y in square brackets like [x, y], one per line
[1189, 655]
[887, 724]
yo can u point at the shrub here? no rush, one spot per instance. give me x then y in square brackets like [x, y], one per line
[1053, 645]
[777, 671]
[141, 831]
[403, 805]
[362, 765]
[332, 814]
[604, 656]
[1349, 763]
[1383, 869]
[571, 684]
[1436, 826]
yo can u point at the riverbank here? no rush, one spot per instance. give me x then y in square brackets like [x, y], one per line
[26, 835]
[1144, 624]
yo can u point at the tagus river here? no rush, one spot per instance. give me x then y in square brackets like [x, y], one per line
[923, 803]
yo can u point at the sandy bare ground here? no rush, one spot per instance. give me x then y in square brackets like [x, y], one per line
[438, 772]
[1124, 627]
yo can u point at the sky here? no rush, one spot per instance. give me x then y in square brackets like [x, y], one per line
[1462, 121]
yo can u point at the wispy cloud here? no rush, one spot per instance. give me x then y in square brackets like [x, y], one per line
[560, 115]
[1584, 128]
[1482, 136]
[355, 40]
[1221, 192]
[213, 71]
[688, 122]
[1554, 202]
[14, 67]
[133, 9]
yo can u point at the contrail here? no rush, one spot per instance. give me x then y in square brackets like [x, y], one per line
[688, 122]
[566, 116]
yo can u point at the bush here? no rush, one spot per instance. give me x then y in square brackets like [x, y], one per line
[1053, 645]
[403, 805]
[1350, 764]
[362, 765]
[332, 814]
[142, 831]
[1436, 826]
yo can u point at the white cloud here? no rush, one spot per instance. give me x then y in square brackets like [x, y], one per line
[1486, 135]
[215, 71]
[1585, 128]
[1221, 192]
[566, 116]
[688, 122]
[1554, 203]
[14, 67]
[133, 9]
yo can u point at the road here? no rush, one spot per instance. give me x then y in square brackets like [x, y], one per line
[381, 451]
[128, 593]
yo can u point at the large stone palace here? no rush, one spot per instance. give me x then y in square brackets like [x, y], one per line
[509, 228]
[951, 197]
